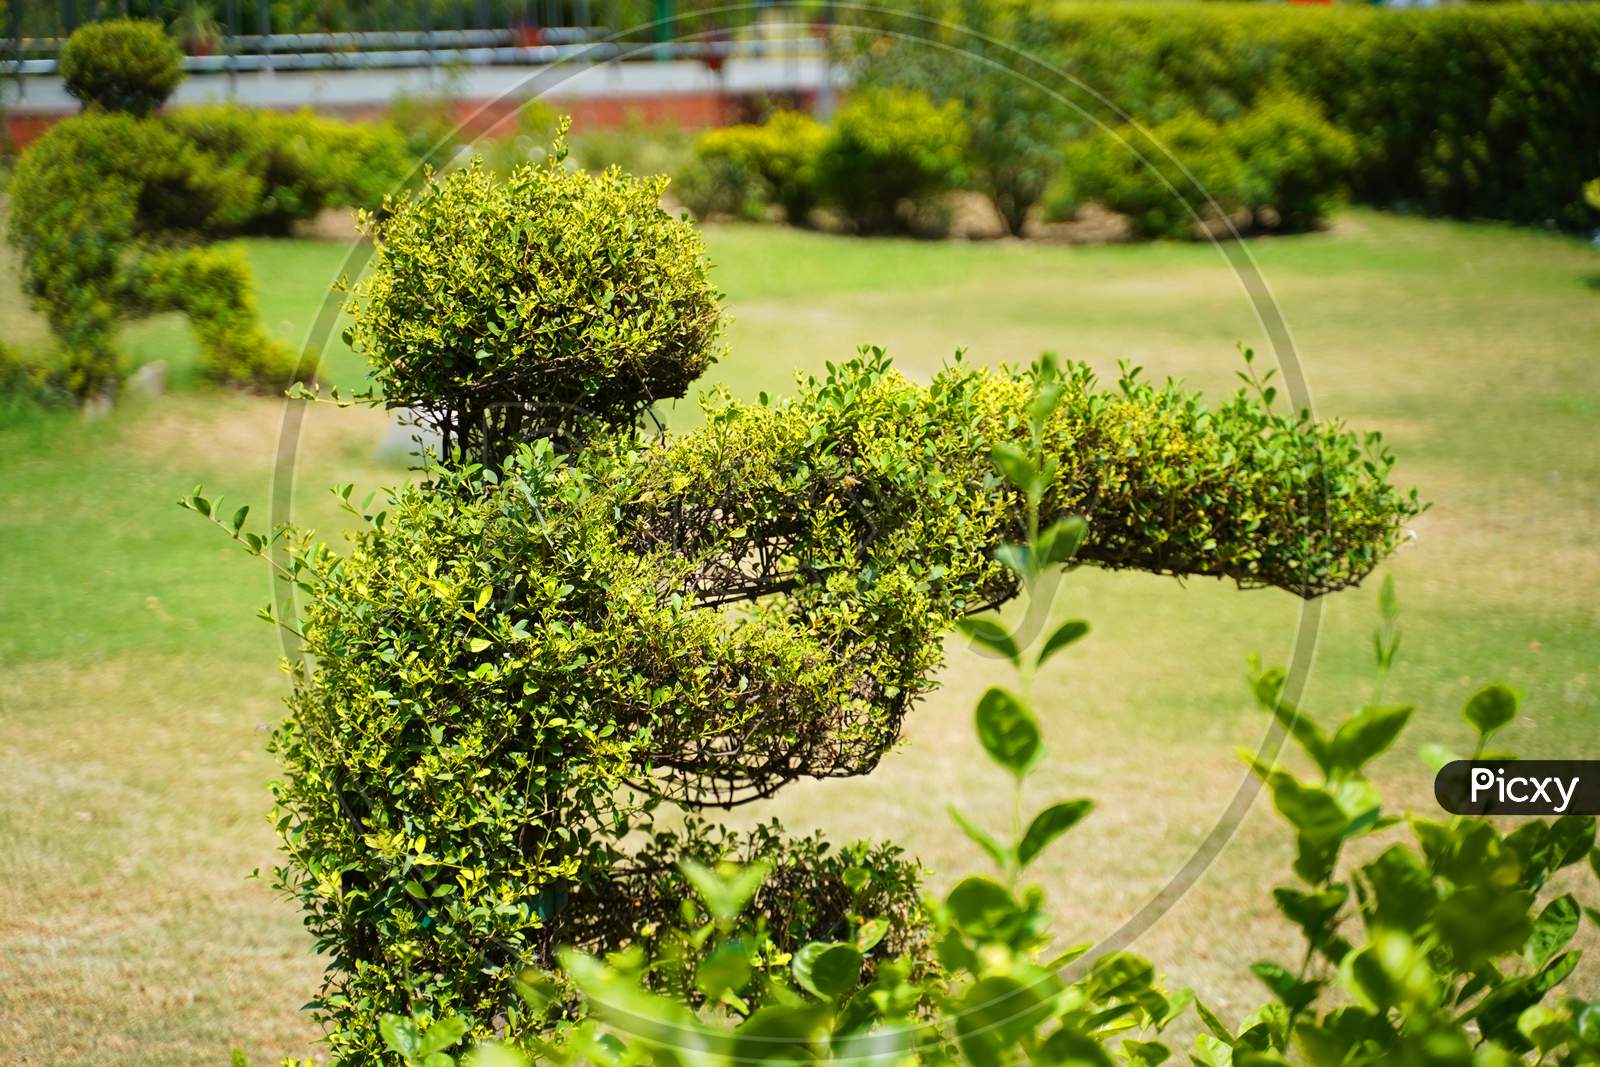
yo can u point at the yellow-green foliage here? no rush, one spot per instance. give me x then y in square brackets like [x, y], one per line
[95, 204]
[886, 151]
[110, 211]
[121, 65]
[1296, 163]
[505, 675]
[1167, 181]
[779, 156]
[570, 292]
[1488, 111]
[1280, 163]
[279, 169]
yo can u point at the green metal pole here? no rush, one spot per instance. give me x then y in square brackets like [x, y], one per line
[664, 26]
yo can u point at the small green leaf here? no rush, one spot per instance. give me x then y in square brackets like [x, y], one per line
[1556, 925]
[400, 1034]
[1062, 540]
[1119, 974]
[1295, 994]
[1268, 688]
[985, 840]
[1008, 731]
[871, 933]
[478, 644]
[981, 907]
[827, 970]
[1388, 604]
[238, 518]
[441, 1035]
[1043, 405]
[991, 635]
[1066, 634]
[1018, 558]
[1312, 810]
[726, 890]
[1014, 463]
[1364, 735]
[725, 970]
[1403, 896]
[1069, 1047]
[1491, 708]
[484, 596]
[1050, 824]
[996, 1012]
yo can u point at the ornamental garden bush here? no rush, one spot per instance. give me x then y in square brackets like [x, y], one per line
[1424, 941]
[1296, 163]
[776, 159]
[521, 660]
[1170, 182]
[888, 151]
[121, 65]
[112, 212]
[1015, 127]
[284, 168]
[1279, 166]
[551, 300]
[1479, 111]
[99, 206]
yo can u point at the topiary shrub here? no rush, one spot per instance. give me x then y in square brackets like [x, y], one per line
[504, 308]
[121, 65]
[1296, 163]
[1279, 166]
[887, 152]
[101, 206]
[1015, 127]
[1167, 181]
[1447, 947]
[720, 186]
[780, 154]
[510, 671]
[279, 169]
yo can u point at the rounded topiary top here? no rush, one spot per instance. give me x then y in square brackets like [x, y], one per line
[495, 305]
[121, 65]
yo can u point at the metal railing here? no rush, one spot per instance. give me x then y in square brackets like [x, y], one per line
[233, 49]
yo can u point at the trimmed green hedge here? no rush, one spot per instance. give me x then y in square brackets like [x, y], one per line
[1469, 112]
[1280, 166]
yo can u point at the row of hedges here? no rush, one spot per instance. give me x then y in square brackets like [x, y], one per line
[886, 153]
[1280, 166]
[891, 151]
[1469, 112]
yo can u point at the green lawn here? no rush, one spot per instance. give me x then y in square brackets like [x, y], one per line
[138, 685]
